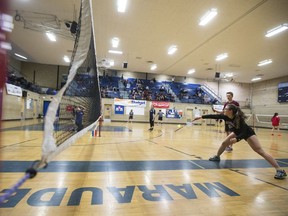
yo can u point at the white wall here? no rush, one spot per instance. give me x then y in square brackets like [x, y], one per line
[265, 97]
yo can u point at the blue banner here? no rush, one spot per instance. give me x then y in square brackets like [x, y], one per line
[172, 113]
[119, 109]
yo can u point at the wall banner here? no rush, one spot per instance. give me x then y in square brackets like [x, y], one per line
[129, 102]
[172, 113]
[119, 109]
[13, 90]
[161, 104]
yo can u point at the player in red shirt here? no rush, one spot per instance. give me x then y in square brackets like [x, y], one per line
[275, 123]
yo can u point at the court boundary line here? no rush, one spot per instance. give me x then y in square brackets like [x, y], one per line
[270, 183]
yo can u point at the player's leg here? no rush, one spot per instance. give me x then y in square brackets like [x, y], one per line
[226, 142]
[151, 122]
[256, 146]
[278, 131]
[229, 147]
[272, 130]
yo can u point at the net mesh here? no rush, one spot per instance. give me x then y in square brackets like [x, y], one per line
[77, 106]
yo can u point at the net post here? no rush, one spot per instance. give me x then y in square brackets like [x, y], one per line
[100, 125]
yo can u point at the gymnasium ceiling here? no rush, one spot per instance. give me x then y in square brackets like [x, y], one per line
[149, 27]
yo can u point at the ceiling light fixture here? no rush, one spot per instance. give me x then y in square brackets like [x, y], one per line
[5, 45]
[115, 52]
[20, 56]
[221, 56]
[172, 50]
[228, 75]
[208, 17]
[121, 5]
[7, 22]
[66, 59]
[153, 67]
[115, 42]
[51, 36]
[256, 79]
[277, 30]
[265, 62]
[191, 71]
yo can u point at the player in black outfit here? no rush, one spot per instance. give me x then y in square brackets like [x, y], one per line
[152, 113]
[235, 119]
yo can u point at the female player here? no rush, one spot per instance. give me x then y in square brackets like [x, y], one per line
[131, 114]
[235, 118]
[275, 123]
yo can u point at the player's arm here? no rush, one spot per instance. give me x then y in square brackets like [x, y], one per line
[215, 116]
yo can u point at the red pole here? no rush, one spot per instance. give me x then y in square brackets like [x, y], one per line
[100, 125]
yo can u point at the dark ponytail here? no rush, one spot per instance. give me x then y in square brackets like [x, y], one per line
[238, 114]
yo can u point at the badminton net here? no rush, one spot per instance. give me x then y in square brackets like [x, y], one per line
[76, 108]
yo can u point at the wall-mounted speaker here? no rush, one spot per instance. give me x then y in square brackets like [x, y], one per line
[217, 75]
[24, 93]
[125, 65]
[74, 27]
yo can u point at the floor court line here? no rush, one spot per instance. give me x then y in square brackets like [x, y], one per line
[270, 183]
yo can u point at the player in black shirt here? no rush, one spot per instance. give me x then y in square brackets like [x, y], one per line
[235, 119]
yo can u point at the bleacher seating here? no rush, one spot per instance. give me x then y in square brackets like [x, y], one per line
[152, 90]
[140, 89]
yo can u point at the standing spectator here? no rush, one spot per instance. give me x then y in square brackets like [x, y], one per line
[230, 100]
[79, 112]
[152, 113]
[131, 114]
[275, 123]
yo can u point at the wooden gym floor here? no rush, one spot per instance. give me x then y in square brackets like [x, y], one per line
[131, 171]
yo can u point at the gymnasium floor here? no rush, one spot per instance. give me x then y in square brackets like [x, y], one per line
[131, 171]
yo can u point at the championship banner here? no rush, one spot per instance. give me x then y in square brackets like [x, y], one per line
[160, 104]
[13, 90]
[129, 102]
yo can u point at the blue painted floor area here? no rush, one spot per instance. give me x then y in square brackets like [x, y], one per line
[34, 127]
[40, 127]
[115, 128]
[116, 166]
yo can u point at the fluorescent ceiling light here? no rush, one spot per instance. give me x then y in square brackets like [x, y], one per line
[66, 59]
[191, 71]
[20, 56]
[51, 36]
[208, 17]
[115, 42]
[276, 30]
[153, 67]
[256, 79]
[221, 56]
[121, 5]
[5, 45]
[265, 62]
[115, 52]
[172, 50]
[7, 22]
